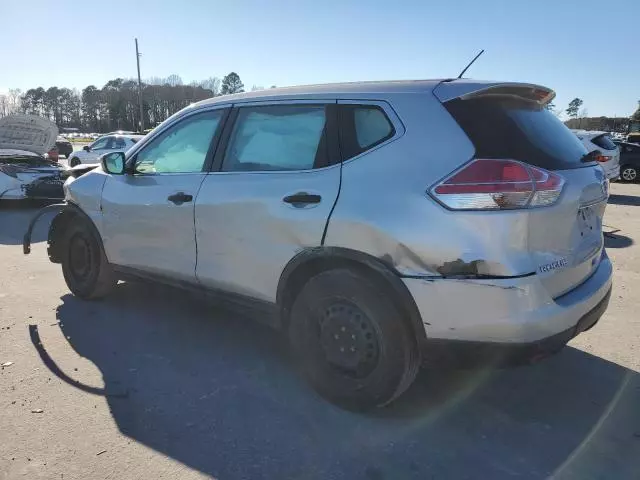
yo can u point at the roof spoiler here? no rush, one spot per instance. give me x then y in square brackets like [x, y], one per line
[466, 89]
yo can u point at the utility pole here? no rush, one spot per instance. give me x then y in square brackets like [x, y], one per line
[140, 89]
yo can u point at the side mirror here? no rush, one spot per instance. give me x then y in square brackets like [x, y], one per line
[86, 148]
[113, 163]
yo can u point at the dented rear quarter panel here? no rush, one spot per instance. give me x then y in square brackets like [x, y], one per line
[385, 211]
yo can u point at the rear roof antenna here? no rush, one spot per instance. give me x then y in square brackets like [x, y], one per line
[470, 63]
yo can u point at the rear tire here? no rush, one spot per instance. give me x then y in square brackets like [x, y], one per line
[352, 342]
[74, 162]
[84, 263]
[629, 174]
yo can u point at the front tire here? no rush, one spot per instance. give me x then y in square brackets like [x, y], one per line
[74, 162]
[84, 263]
[351, 340]
[629, 174]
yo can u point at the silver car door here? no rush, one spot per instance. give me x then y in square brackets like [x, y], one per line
[148, 216]
[278, 180]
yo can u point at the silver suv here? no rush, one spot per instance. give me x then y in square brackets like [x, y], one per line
[385, 225]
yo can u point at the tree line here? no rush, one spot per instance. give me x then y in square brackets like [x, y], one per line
[579, 119]
[115, 106]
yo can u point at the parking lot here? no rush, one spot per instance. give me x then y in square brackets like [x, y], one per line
[154, 383]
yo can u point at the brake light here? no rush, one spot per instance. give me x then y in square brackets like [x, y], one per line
[490, 184]
[602, 158]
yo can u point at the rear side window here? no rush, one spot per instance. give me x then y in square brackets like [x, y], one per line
[362, 127]
[277, 138]
[604, 142]
[512, 128]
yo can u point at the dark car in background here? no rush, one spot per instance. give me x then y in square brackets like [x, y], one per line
[64, 146]
[629, 161]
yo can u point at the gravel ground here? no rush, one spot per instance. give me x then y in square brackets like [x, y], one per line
[155, 384]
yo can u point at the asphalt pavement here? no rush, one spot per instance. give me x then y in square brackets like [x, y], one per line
[153, 383]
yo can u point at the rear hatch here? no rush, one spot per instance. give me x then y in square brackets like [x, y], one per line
[564, 238]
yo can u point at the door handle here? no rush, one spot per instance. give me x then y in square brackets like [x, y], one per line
[180, 198]
[302, 198]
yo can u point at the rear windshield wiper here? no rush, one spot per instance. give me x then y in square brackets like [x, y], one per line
[591, 156]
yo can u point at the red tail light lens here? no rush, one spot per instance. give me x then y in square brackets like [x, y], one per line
[602, 158]
[489, 184]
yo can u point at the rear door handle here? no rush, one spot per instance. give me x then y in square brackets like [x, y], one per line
[180, 198]
[302, 198]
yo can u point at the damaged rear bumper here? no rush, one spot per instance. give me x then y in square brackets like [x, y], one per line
[514, 312]
[469, 353]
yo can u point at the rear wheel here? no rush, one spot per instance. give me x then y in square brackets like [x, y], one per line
[84, 264]
[629, 173]
[351, 340]
[74, 162]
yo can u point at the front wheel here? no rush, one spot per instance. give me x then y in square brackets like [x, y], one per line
[629, 173]
[352, 341]
[84, 263]
[74, 162]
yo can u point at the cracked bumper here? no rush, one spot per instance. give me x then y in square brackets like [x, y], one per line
[506, 311]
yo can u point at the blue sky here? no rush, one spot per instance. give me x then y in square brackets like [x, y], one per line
[585, 49]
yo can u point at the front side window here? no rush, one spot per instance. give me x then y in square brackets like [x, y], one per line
[277, 138]
[183, 148]
[362, 127]
[101, 143]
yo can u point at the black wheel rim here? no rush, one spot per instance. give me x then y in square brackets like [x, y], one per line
[348, 339]
[80, 257]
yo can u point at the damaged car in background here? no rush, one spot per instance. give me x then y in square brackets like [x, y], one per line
[26, 171]
[382, 226]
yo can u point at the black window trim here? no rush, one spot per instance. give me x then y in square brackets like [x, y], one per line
[332, 149]
[392, 117]
[206, 167]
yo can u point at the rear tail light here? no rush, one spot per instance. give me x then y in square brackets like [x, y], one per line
[489, 184]
[602, 158]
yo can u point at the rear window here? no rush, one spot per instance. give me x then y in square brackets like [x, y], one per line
[508, 127]
[604, 142]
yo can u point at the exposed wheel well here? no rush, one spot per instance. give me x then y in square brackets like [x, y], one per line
[58, 226]
[315, 261]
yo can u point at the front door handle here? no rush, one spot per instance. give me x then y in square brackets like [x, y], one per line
[180, 198]
[302, 198]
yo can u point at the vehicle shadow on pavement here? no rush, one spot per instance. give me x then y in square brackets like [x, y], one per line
[615, 240]
[630, 200]
[219, 393]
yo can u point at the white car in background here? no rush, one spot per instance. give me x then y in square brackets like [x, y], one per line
[25, 170]
[609, 157]
[104, 144]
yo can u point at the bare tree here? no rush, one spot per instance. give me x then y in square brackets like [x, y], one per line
[211, 83]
